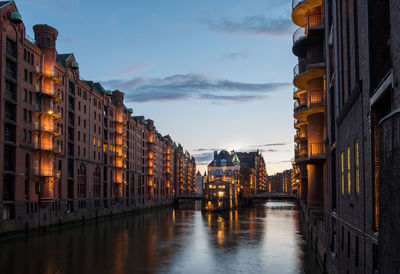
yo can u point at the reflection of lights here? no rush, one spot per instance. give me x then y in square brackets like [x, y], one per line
[50, 112]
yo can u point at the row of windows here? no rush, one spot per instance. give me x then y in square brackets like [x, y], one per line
[28, 57]
[220, 172]
[346, 169]
[28, 76]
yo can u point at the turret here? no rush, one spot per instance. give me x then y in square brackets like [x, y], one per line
[45, 36]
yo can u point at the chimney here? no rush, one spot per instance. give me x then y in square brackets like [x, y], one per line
[232, 152]
[215, 154]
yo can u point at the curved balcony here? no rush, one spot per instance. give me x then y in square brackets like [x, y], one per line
[308, 68]
[300, 9]
[316, 103]
[298, 123]
[308, 34]
[298, 138]
[298, 92]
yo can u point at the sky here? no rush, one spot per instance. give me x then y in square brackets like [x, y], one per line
[212, 74]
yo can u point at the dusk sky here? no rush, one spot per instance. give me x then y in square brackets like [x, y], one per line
[212, 74]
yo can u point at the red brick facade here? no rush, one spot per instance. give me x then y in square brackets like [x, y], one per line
[71, 149]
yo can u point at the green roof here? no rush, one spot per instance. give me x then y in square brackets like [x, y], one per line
[4, 3]
[16, 17]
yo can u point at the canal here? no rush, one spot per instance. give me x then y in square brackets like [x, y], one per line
[263, 238]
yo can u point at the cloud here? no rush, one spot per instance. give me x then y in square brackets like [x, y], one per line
[278, 162]
[192, 86]
[203, 158]
[252, 25]
[236, 55]
[66, 40]
[271, 145]
[128, 71]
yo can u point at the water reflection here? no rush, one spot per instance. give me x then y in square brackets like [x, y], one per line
[262, 238]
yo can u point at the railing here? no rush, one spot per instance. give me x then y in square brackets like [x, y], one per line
[304, 63]
[316, 149]
[48, 172]
[300, 33]
[299, 106]
[48, 146]
[315, 97]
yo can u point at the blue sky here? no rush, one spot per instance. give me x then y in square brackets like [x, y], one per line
[212, 74]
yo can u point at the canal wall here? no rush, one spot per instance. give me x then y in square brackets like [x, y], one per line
[314, 230]
[47, 220]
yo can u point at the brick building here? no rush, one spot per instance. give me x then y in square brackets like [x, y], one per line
[356, 226]
[280, 182]
[253, 174]
[71, 149]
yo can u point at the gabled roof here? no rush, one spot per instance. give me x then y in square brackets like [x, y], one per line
[99, 88]
[223, 158]
[4, 3]
[63, 58]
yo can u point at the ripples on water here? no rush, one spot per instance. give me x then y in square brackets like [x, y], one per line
[264, 238]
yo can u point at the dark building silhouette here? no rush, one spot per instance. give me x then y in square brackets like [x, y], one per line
[349, 192]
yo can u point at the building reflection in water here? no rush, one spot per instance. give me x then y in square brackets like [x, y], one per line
[261, 238]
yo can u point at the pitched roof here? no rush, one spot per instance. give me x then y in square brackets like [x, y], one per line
[248, 158]
[4, 3]
[63, 58]
[223, 158]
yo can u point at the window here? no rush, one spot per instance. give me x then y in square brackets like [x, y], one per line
[24, 135]
[25, 115]
[94, 141]
[26, 75]
[342, 171]
[357, 165]
[29, 136]
[25, 95]
[30, 116]
[11, 49]
[348, 172]
[30, 77]
[30, 97]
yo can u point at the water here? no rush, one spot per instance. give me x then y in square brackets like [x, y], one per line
[264, 238]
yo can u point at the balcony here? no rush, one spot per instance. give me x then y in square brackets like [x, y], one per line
[47, 110]
[316, 150]
[47, 127]
[297, 123]
[47, 172]
[48, 147]
[49, 76]
[308, 68]
[313, 103]
[308, 34]
[49, 91]
[298, 137]
[300, 9]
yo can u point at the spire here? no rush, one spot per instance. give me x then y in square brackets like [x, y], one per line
[235, 159]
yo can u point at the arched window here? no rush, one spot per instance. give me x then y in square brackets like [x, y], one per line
[82, 181]
[96, 182]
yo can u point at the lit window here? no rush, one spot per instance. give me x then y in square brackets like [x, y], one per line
[342, 171]
[94, 141]
[357, 164]
[348, 172]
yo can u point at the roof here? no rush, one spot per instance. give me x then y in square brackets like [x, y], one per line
[4, 3]
[223, 158]
[63, 58]
[99, 88]
[248, 158]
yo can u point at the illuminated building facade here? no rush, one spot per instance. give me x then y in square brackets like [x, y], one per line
[253, 173]
[223, 183]
[349, 192]
[70, 149]
[280, 182]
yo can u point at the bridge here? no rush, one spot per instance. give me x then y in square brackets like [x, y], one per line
[188, 197]
[272, 196]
